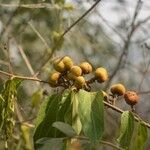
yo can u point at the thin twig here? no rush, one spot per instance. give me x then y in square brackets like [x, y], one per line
[9, 20]
[22, 77]
[27, 62]
[4, 63]
[144, 92]
[39, 35]
[101, 141]
[143, 77]
[18, 112]
[6, 47]
[126, 44]
[30, 6]
[110, 144]
[110, 26]
[78, 20]
[121, 111]
[65, 32]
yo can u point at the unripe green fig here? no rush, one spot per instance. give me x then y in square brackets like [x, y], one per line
[86, 67]
[54, 78]
[67, 62]
[76, 71]
[118, 89]
[80, 82]
[101, 74]
[59, 65]
[131, 97]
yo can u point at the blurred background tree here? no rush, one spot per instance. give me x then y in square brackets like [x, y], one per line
[115, 34]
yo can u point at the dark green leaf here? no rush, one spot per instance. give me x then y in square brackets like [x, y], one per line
[126, 131]
[141, 136]
[52, 110]
[91, 113]
[46, 117]
[65, 128]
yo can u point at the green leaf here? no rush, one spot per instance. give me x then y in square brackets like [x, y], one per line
[141, 136]
[126, 131]
[76, 123]
[7, 98]
[36, 97]
[65, 128]
[50, 143]
[91, 113]
[52, 110]
[2, 111]
[46, 117]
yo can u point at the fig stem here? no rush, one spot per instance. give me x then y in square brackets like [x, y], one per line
[91, 80]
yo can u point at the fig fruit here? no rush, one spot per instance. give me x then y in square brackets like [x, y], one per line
[118, 89]
[101, 74]
[86, 67]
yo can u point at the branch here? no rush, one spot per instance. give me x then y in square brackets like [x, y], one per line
[126, 44]
[110, 144]
[39, 35]
[101, 141]
[22, 77]
[65, 32]
[30, 6]
[27, 62]
[110, 26]
[2, 62]
[7, 48]
[121, 111]
[144, 92]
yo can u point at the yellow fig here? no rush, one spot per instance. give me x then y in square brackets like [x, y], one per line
[101, 74]
[76, 71]
[80, 82]
[59, 65]
[67, 62]
[118, 89]
[86, 67]
[54, 78]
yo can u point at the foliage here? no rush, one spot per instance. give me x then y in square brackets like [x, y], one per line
[86, 114]
[7, 104]
[126, 131]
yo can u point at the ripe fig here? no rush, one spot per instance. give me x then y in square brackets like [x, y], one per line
[59, 65]
[67, 62]
[118, 89]
[101, 74]
[76, 71]
[86, 67]
[54, 78]
[80, 82]
[131, 97]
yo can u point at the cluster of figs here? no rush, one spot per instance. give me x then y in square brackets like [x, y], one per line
[69, 75]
